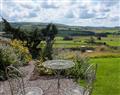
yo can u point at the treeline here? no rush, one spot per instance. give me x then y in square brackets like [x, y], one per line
[76, 33]
[85, 33]
[65, 30]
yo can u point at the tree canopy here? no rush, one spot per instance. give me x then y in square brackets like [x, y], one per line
[33, 39]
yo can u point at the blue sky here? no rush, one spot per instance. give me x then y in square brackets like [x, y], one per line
[70, 12]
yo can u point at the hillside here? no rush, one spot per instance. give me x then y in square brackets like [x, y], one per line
[65, 30]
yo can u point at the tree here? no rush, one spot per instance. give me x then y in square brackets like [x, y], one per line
[92, 40]
[34, 39]
[49, 33]
[7, 26]
[11, 30]
[98, 37]
[67, 38]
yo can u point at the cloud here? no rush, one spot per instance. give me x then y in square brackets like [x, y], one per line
[70, 14]
[79, 12]
[0, 8]
[86, 14]
[48, 5]
[110, 2]
[28, 6]
[32, 14]
[114, 19]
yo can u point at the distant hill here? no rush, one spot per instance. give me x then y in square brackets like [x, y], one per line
[65, 30]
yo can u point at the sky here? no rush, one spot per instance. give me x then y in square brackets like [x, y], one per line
[69, 12]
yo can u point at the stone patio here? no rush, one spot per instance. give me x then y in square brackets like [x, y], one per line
[43, 82]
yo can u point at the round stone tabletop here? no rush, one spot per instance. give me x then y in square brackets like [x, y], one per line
[58, 64]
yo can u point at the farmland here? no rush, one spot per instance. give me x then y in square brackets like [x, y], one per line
[79, 41]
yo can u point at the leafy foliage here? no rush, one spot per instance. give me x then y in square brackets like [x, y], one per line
[92, 40]
[81, 63]
[21, 51]
[49, 33]
[41, 69]
[7, 57]
[33, 39]
[77, 72]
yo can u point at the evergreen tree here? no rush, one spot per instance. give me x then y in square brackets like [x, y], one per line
[34, 39]
[50, 33]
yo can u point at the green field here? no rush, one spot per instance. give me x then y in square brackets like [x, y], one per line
[67, 44]
[112, 30]
[79, 41]
[111, 40]
[108, 76]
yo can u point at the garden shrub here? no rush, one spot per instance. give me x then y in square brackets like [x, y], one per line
[7, 57]
[81, 64]
[41, 69]
[21, 51]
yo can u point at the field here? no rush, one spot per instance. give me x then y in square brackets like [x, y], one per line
[79, 41]
[112, 40]
[108, 76]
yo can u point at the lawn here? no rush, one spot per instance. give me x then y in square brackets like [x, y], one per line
[108, 76]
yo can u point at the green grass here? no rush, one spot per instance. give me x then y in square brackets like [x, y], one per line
[112, 30]
[58, 38]
[66, 45]
[78, 41]
[108, 76]
[114, 43]
[111, 40]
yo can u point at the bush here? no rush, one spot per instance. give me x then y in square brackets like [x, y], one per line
[21, 51]
[41, 69]
[91, 40]
[77, 72]
[67, 38]
[7, 57]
